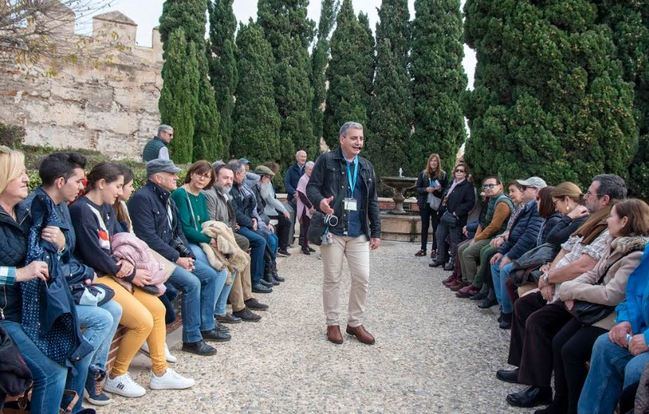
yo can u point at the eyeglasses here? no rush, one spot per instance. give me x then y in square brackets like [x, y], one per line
[488, 186]
[459, 171]
[207, 176]
[589, 194]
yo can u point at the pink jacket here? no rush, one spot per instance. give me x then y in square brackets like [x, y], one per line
[128, 247]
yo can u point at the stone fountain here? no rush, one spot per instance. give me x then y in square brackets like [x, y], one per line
[399, 184]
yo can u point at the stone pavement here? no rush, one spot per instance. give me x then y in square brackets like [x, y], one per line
[434, 353]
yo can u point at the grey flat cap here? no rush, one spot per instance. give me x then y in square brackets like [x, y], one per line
[160, 165]
[263, 170]
[535, 182]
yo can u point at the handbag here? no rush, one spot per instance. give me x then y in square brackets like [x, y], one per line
[433, 201]
[589, 313]
[449, 219]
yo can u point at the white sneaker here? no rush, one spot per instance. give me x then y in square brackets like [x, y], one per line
[170, 380]
[170, 358]
[125, 386]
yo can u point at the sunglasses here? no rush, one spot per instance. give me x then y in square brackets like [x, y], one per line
[458, 170]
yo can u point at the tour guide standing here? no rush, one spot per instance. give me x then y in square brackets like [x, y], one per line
[343, 183]
[157, 146]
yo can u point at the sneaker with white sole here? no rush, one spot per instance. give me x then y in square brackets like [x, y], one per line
[170, 358]
[125, 386]
[170, 380]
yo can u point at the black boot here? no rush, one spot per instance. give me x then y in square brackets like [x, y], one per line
[276, 276]
[505, 321]
[268, 275]
[489, 301]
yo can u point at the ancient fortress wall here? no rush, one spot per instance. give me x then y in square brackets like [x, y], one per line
[105, 99]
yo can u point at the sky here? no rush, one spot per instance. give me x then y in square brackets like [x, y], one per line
[146, 14]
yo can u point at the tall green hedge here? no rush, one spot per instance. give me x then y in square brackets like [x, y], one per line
[349, 73]
[391, 102]
[549, 98]
[438, 83]
[256, 120]
[178, 98]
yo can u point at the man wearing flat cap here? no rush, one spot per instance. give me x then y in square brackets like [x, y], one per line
[274, 208]
[155, 221]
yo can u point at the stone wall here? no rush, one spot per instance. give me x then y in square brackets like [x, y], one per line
[105, 99]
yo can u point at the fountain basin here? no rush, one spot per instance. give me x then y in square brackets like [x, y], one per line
[398, 186]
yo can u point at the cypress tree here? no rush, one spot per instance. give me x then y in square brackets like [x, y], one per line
[629, 23]
[255, 119]
[549, 98]
[319, 59]
[391, 103]
[191, 16]
[223, 64]
[349, 73]
[290, 32]
[439, 82]
[178, 96]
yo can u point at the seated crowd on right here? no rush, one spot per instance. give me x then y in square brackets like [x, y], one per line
[101, 254]
[569, 273]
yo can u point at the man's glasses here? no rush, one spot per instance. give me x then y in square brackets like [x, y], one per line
[589, 194]
[488, 186]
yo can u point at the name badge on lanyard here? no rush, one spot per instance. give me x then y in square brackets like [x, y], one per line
[350, 203]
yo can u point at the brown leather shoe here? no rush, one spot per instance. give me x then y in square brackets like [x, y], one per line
[458, 286]
[361, 334]
[334, 335]
[449, 280]
[467, 291]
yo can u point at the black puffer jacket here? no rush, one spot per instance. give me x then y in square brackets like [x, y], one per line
[13, 250]
[329, 178]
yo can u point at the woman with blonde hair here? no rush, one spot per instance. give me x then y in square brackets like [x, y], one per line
[431, 183]
[49, 377]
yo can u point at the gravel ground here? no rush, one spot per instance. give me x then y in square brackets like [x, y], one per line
[433, 354]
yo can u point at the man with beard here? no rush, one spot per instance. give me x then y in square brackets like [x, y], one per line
[219, 205]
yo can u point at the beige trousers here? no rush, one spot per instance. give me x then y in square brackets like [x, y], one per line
[241, 290]
[357, 252]
[241, 286]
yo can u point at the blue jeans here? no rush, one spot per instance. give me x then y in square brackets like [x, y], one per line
[222, 290]
[500, 277]
[272, 242]
[612, 369]
[257, 248]
[199, 297]
[49, 377]
[97, 324]
[101, 355]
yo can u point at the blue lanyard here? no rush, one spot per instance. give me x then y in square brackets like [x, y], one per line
[352, 180]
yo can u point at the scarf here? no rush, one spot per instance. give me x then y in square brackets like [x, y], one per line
[594, 226]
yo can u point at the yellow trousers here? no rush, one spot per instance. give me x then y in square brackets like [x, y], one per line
[143, 315]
